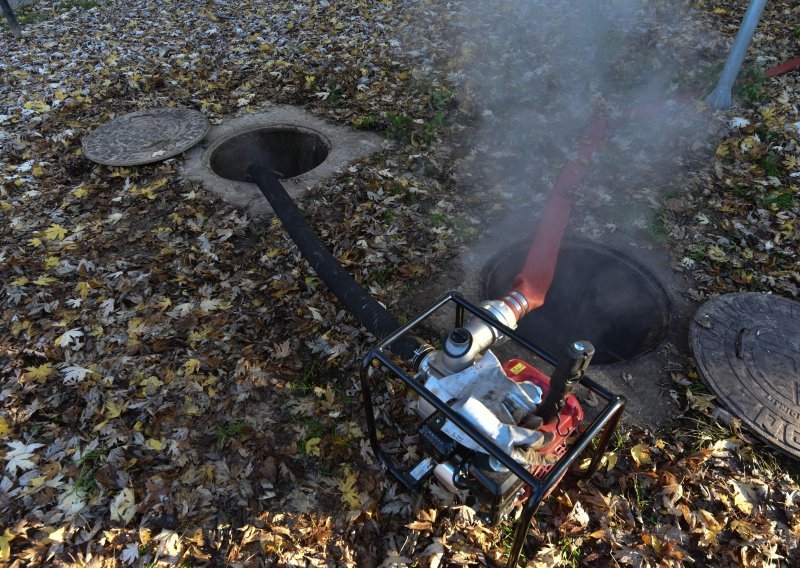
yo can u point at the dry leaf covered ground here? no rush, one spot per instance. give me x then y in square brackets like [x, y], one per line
[179, 388]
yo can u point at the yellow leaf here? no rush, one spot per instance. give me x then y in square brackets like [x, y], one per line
[123, 507]
[4, 427]
[45, 280]
[51, 262]
[716, 253]
[80, 192]
[710, 528]
[40, 372]
[21, 281]
[191, 367]
[113, 410]
[5, 547]
[148, 193]
[37, 106]
[6, 206]
[349, 490]
[57, 535]
[312, 446]
[641, 454]
[744, 495]
[82, 289]
[192, 409]
[154, 444]
[37, 171]
[55, 232]
[35, 242]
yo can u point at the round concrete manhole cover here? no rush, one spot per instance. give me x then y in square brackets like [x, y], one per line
[145, 136]
[747, 347]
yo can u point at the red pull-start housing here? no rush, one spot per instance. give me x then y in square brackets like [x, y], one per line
[563, 426]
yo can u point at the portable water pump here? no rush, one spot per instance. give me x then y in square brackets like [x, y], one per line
[525, 412]
[503, 434]
[498, 434]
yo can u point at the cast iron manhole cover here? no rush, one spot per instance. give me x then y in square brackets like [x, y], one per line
[747, 347]
[145, 136]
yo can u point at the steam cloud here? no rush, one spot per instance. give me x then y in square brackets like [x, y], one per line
[540, 71]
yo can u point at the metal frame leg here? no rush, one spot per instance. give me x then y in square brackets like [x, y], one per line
[605, 440]
[521, 531]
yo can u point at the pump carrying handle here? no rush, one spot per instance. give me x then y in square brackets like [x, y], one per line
[567, 374]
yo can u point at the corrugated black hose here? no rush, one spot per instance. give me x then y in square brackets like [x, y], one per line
[356, 300]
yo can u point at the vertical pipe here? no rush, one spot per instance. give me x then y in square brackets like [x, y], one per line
[721, 96]
[12, 21]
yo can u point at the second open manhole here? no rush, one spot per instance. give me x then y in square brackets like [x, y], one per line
[598, 294]
[291, 151]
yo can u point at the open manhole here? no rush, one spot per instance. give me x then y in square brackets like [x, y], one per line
[292, 150]
[598, 294]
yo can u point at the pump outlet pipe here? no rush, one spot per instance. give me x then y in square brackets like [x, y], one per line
[356, 300]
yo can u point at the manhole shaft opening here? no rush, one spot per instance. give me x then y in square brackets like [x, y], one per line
[290, 150]
[598, 294]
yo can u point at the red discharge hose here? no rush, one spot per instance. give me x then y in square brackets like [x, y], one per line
[537, 273]
[783, 68]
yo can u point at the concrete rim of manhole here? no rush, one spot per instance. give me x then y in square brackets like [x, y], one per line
[309, 148]
[345, 146]
[145, 136]
[747, 348]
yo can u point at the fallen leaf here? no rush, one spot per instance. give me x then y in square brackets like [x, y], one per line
[641, 454]
[123, 506]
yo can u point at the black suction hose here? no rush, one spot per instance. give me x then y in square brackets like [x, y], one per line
[358, 302]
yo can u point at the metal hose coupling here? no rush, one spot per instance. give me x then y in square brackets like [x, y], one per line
[517, 303]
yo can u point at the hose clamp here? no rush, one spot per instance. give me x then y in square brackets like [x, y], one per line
[420, 354]
[518, 303]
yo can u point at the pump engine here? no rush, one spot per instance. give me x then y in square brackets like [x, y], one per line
[525, 414]
[507, 402]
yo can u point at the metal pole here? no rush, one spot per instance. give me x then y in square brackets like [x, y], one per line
[12, 21]
[721, 96]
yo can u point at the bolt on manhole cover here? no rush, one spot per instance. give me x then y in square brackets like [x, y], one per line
[747, 347]
[145, 136]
